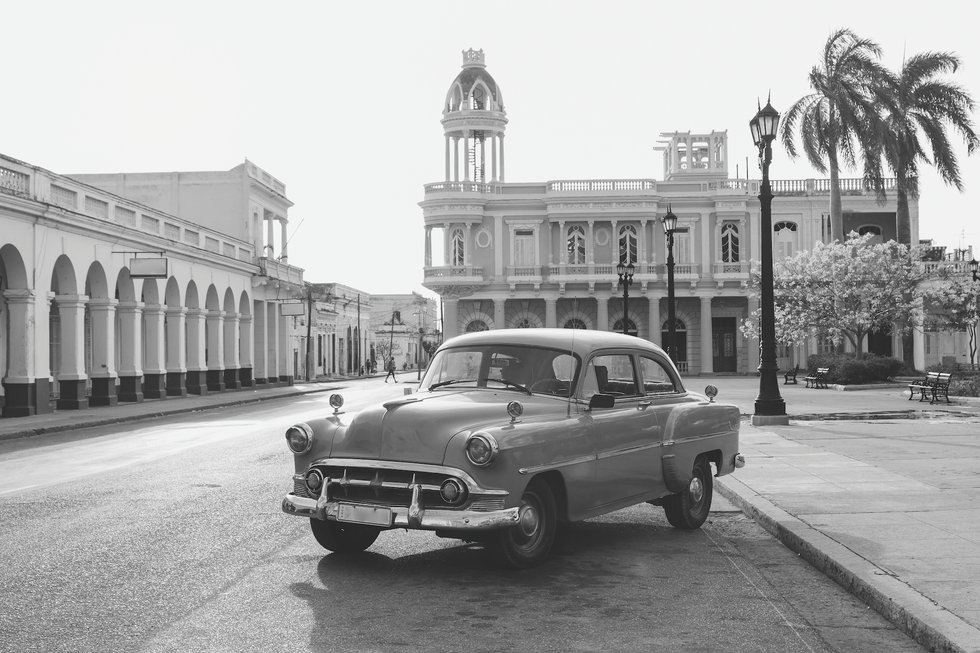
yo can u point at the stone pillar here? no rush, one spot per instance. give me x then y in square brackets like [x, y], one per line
[466, 156]
[196, 365]
[450, 305]
[286, 351]
[283, 252]
[602, 312]
[246, 347]
[448, 158]
[270, 250]
[71, 376]
[232, 362]
[653, 319]
[130, 351]
[155, 346]
[260, 370]
[550, 312]
[272, 342]
[215, 350]
[707, 355]
[499, 313]
[502, 158]
[493, 156]
[21, 391]
[102, 313]
[176, 352]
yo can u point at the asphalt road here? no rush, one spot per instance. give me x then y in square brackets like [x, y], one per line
[167, 536]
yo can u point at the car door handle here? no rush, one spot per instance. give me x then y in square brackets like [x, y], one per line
[643, 405]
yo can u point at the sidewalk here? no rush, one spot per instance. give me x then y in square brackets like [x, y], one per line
[908, 543]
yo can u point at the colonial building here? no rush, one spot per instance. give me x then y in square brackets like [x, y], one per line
[401, 323]
[124, 287]
[343, 339]
[535, 254]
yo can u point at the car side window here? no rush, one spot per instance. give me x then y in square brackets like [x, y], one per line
[656, 379]
[614, 375]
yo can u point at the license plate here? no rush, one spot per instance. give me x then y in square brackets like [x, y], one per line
[358, 514]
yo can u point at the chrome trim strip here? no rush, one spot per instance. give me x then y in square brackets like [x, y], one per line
[627, 450]
[536, 469]
[427, 519]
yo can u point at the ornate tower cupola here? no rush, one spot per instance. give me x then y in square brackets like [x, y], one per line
[474, 121]
[701, 156]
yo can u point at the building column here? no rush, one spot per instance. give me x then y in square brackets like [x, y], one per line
[602, 312]
[260, 370]
[130, 351]
[493, 156]
[707, 355]
[102, 312]
[232, 362]
[270, 250]
[176, 352]
[501, 158]
[154, 361]
[448, 157]
[286, 372]
[653, 319]
[551, 312]
[196, 365]
[428, 246]
[918, 348]
[215, 334]
[450, 307]
[272, 342]
[283, 252]
[71, 376]
[754, 344]
[499, 313]
[246, 347]
[22, 392]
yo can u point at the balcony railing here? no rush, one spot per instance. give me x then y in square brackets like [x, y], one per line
[731, 269]
[454, 273]
[822, 186]
[281, 271]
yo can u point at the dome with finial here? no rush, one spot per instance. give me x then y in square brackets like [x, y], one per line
[474, 88]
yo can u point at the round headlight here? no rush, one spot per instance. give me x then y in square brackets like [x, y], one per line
[481, 449]
[453, 492]
[299, 437]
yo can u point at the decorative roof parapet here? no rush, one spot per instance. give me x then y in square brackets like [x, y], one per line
[473, 59]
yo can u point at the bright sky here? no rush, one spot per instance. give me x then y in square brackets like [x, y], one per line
[342, 101]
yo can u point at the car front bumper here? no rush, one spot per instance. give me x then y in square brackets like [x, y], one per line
[414, 516]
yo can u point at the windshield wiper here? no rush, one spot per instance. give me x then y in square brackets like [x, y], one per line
[511, 383]
[450, 382]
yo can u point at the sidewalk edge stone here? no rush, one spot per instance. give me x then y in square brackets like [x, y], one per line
[930, 625]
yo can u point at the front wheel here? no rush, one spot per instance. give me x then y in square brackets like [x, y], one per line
[343, 538]
[689, 508]
[528, 542]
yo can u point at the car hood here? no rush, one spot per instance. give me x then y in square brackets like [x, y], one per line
[418, 427]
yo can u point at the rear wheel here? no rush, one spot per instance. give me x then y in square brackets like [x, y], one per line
[343, 538]
[689, 508]
[529, 541]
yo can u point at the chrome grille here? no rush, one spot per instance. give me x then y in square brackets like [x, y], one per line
[487, 504]
[299, 488]
[390, 487]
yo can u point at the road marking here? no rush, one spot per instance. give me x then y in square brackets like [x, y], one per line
[18, 489]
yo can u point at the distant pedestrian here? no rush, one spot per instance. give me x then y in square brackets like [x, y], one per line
[391, 371]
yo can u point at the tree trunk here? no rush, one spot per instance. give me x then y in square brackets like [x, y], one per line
[836, 210]
[903, 230]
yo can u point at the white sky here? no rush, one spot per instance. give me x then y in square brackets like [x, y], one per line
[342, 101]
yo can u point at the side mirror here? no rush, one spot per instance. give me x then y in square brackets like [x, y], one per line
[710, 392]
[601, 401]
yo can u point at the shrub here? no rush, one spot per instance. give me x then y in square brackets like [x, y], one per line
[849, 369]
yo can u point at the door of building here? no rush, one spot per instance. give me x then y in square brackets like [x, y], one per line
[723, 344]
[880, 342]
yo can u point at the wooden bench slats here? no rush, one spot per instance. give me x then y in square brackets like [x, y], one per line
[935, 384]
[817, 379]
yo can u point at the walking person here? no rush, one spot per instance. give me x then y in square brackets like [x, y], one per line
[391, 371]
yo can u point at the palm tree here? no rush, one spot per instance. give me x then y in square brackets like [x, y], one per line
[925, 105]
[839, 120]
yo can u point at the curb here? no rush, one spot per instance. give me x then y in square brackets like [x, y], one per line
[122, 419]
[930, 625]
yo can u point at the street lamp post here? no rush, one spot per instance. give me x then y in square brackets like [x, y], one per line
[625, 273]
[669, 222]
[769, 405]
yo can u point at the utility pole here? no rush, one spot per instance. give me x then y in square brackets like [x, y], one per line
[309, 333]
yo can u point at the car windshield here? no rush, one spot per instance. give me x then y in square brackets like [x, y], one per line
[535, 370]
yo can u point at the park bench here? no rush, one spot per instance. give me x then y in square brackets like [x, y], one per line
[934, 385]
[818, 379]
[790, 376]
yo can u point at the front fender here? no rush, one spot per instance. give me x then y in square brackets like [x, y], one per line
[325, 431]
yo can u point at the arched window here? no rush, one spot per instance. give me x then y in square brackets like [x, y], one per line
[729, 243]
[785, 240]
[874, 230]
[576, 245]
[627, 245]
[477, 325]
[575, 323]
[523, 323]
[457, 248]
[630, 327]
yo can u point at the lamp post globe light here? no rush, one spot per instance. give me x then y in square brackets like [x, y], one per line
[669, 222]
[769, 405]
[625, 273]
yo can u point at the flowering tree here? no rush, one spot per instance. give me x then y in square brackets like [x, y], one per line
[843, 290]
[955, 301]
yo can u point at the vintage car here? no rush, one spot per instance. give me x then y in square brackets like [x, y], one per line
[512, 432]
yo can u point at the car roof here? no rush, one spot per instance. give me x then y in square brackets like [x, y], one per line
[579, 341]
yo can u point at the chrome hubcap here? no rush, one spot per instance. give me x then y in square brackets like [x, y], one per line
[696, 490]
[528, 521]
